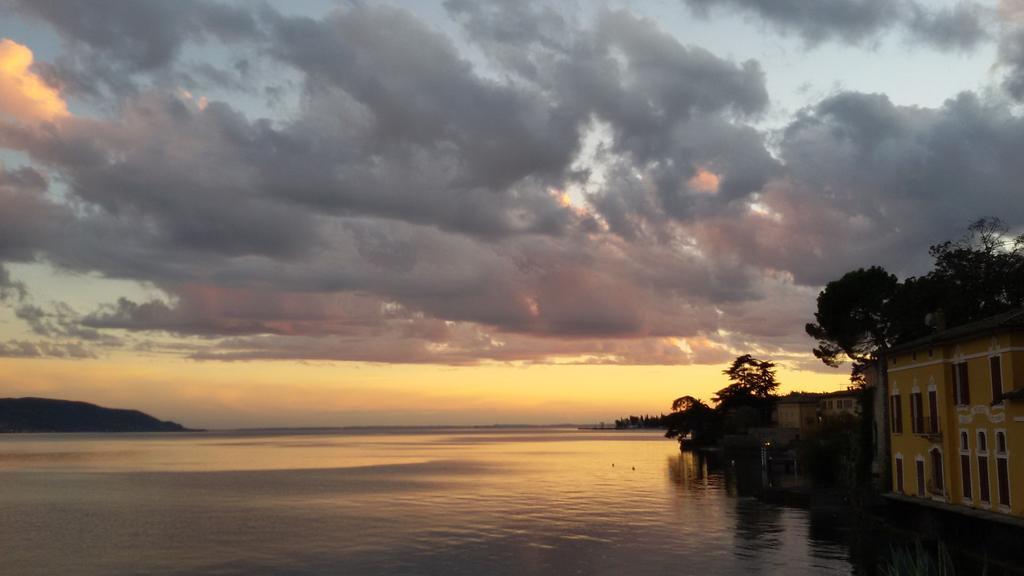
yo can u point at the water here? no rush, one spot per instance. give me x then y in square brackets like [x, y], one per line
[451, 502]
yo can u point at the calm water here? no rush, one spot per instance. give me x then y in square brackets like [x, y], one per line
[390, 502]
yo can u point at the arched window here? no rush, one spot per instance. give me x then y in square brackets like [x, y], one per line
[937, 471]
[899, 474]
[1002, 469]
[983, 483]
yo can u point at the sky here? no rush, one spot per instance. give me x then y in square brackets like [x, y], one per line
[243, 214]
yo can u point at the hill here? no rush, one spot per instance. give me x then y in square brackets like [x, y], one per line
[48, 415]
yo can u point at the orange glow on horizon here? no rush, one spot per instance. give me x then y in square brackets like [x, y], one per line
[23, 94]
[283, 393]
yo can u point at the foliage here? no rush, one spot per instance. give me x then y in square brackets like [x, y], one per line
[747, 401]
[645, 421]
[690, 416]
[851, 320]
[918, 561]
[868, 310]
[752, 385]
[981, 274]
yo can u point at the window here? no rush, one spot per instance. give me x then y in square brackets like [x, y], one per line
[983, 484]
[933, 412]
[965, 475]
[920, 476]
[965, 464]
[1002, 469]
[897, 415]
[963, 387]
[899, 475]
[916, 413]
[996, 375]
[937, 483]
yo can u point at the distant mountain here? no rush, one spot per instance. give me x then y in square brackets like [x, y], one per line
[46, 415]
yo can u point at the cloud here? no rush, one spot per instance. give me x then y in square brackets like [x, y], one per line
[1011, 46]
[115, 48]
[27, 349]
[23, 94]
[554, 191]
[11, 290]
[962, 26]
[869, 182]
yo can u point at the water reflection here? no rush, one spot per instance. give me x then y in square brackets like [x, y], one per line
[762, 538]
[395, 502]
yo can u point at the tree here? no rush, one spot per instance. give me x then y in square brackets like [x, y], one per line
[868, 310]
[751, 379]
[690, 416]
[981, 274]
[753, 385]
[852, 320]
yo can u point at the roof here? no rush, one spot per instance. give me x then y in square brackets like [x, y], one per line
[799, 398]
[841, 393]
[1011, 320]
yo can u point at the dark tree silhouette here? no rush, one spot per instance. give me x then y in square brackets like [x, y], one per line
[752, 389]
[753, 381]
[869, 310]
[852, 319]
[692, 417]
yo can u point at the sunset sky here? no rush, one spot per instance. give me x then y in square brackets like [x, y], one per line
[346, 213]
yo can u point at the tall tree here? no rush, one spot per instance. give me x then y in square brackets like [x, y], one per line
[980, 274]
[852, 320]
[692, 417]
[868, 310]
[753, 384]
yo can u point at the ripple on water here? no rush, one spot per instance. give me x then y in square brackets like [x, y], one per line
[444, 502]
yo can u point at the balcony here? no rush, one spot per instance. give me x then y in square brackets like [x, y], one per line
[928, 427]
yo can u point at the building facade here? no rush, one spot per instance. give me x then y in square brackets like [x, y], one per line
[842, 402]
[956, 415]
[797, 410]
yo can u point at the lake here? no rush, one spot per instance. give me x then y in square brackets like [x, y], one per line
[430, 501]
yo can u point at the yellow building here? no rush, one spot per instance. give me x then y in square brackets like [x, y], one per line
[956, 415]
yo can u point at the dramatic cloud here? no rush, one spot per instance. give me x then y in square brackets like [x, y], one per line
[109, 41]
[869, 182]
[23, 95]
[957, 27]
[535, 188]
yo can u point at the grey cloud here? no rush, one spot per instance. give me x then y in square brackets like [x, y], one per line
[448, 215]
[671, 108]
[110, 40]
[960, 27]
[43, 349]
[408, 210]
[61, 322]
[868, 182]
[28, 218]
[10, 289]
[1011, 57]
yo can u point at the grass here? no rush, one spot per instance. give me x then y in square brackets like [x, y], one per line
[920, 560]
